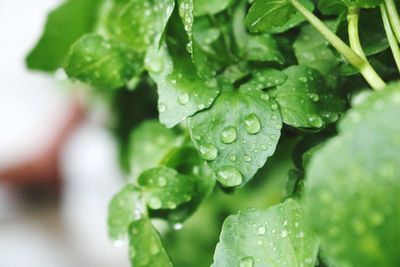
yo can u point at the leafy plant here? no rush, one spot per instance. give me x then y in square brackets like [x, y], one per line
[264, 110]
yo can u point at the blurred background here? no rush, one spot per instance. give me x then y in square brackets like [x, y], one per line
[59, 164]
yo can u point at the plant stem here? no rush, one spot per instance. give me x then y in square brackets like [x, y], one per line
[394, 46]
[359, 62]
[393, 17]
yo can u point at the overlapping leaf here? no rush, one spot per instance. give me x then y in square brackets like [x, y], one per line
[273, 238]
[352, 183]
[305, 100]
[102, 63]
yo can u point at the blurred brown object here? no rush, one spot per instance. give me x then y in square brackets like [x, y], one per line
[44, 169]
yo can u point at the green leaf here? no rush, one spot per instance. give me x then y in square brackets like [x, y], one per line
[187, 162]
[210, 7]
[313, 50]
[274, 16]
[150, 143]
[305, 100]
[332, 7]
[353, 185]
[373, 38]
[141, 23]
[145, 247]
[64, 26]
[262, 48]
[122, 210]
[295, 20]
[237, 134]
[181, 91]
[102, 63]
[273, 238]
[165, 188]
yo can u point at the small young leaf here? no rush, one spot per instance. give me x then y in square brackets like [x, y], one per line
[181, 91]
[165, 188]
[353, 184]
[305, 100]
[276, 237]
[149, 144]
[145, 247]
[102, 63]
[123, 209]
[274, 16]
[64, 26]
[237, 134]
[313, 50]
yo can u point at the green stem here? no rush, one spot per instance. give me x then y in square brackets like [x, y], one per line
[394, 46]
[352, 57]
[393, 17]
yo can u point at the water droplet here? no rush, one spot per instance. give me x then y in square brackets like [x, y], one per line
[183, 99]
[315, 121]
[247, 158]
[156, 65]
[261, 230]
[229, 176]
[177, 226]
[119, 242]
[252, 124]
[155, 203]
[208, 152]
[154, 249]
[189, 47]
[162, 181]
[162, 107]
[284, 233]
[303, 79]
[246, 262]
[232, 158]
[265, 97]
[314, 97]
[228, 135]
[274, 106]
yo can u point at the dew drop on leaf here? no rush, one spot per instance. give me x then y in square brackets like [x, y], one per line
[155, 66]
[155, 203]
[247, 158]
[252, 124]
[229, 176]
[261, 230]
[315, 121]
[284, 233]
[228, 135]
[183, 99]
[303, 79]
[162, 108]
[208, 152]
[177, 226]
[162, 181]
[314, 97]
[246, 262]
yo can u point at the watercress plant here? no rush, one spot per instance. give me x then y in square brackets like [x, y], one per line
[284, 112]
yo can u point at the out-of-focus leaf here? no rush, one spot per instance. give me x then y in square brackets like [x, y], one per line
[64, 26]
[273, 238]
[353, 182]
[145, 247]
[102, 63]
